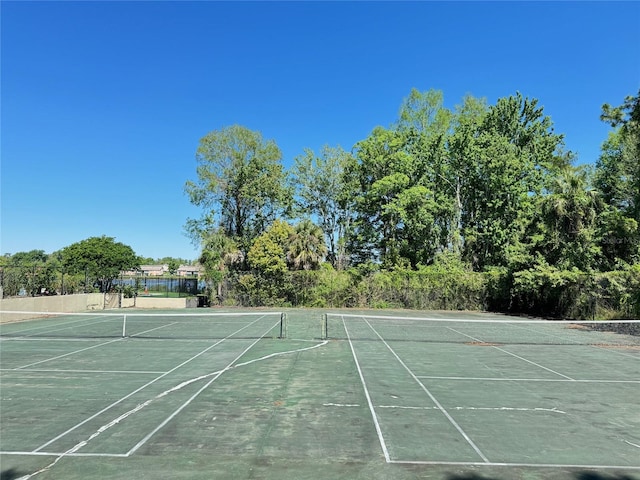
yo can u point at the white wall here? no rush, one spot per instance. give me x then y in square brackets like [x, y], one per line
[81, 303]
[57, 303]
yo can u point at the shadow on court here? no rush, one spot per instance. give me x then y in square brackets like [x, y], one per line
[471, 476]
[576, 476]
[10, 474]
[600, 476]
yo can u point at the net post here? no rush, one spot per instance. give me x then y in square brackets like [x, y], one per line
[124, 326]
[323, 327]
[282, 320]
[286, 326]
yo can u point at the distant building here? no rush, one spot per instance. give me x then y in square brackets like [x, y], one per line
[154, 270]
[130, 273]
[190, 270]
[160, 270]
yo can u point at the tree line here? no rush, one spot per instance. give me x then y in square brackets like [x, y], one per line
[92, 264]
[482, 192]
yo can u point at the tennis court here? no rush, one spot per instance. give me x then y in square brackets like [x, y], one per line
[315, 394]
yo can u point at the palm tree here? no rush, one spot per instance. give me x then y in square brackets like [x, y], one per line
[218, 253]
[570, 212]
[306, 248]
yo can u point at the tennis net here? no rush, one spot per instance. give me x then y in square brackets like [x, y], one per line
[480, 330]
[16, 324]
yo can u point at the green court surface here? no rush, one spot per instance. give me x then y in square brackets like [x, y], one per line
[386, 395]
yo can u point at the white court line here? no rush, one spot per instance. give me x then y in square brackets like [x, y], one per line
[83, 443]
[507, 464]
[433, 399]
[491, 409]
[195, 395]
[44, 370]
[141, 388]
[154, 329]
[493, 379]
[67, 354]
[511, 320]
[68, 323]
[114, 313]
[513, 354]
[82, 350]
[73, 450]
[383, 444]
[611, 348]
[47, 339]
[57, 454]
[498, 409]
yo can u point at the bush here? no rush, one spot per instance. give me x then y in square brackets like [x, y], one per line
[446, 285]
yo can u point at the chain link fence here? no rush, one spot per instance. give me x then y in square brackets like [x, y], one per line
[45, 280]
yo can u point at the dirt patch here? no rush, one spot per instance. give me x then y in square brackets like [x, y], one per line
[623, 328]
[621, 347]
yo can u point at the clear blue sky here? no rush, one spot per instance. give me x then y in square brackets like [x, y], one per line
[103, 104]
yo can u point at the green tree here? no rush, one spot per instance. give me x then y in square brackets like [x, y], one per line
[100, 258]
[514, 154]
[219, 254]
[30, 257]
[424, 112]
[619, 238]
[322, 193]
[428, 206]
[626, 115]
[34, 271]
[173, 266]
[570, 212]
[460, 175]
[617, 177]
[171, 261]
[269, 283]
[241, 185]
[381, 174]
[618, 174]
[305, 247]
[268, 254]
[614, 173]
[396, 208]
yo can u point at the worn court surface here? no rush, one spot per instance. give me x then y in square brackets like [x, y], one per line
[371, 405]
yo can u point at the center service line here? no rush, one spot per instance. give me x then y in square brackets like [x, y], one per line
[433, 399]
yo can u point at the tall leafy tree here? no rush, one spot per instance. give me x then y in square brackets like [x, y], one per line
[614, 173]
[322, 194]
[513, 153]
[405, 198]
[240, 186]
[617, 177]
[627, 116]
[427, 124]
[390, 196]
[618, 174]
[424, 112]
[100, 258]
[460, 175]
